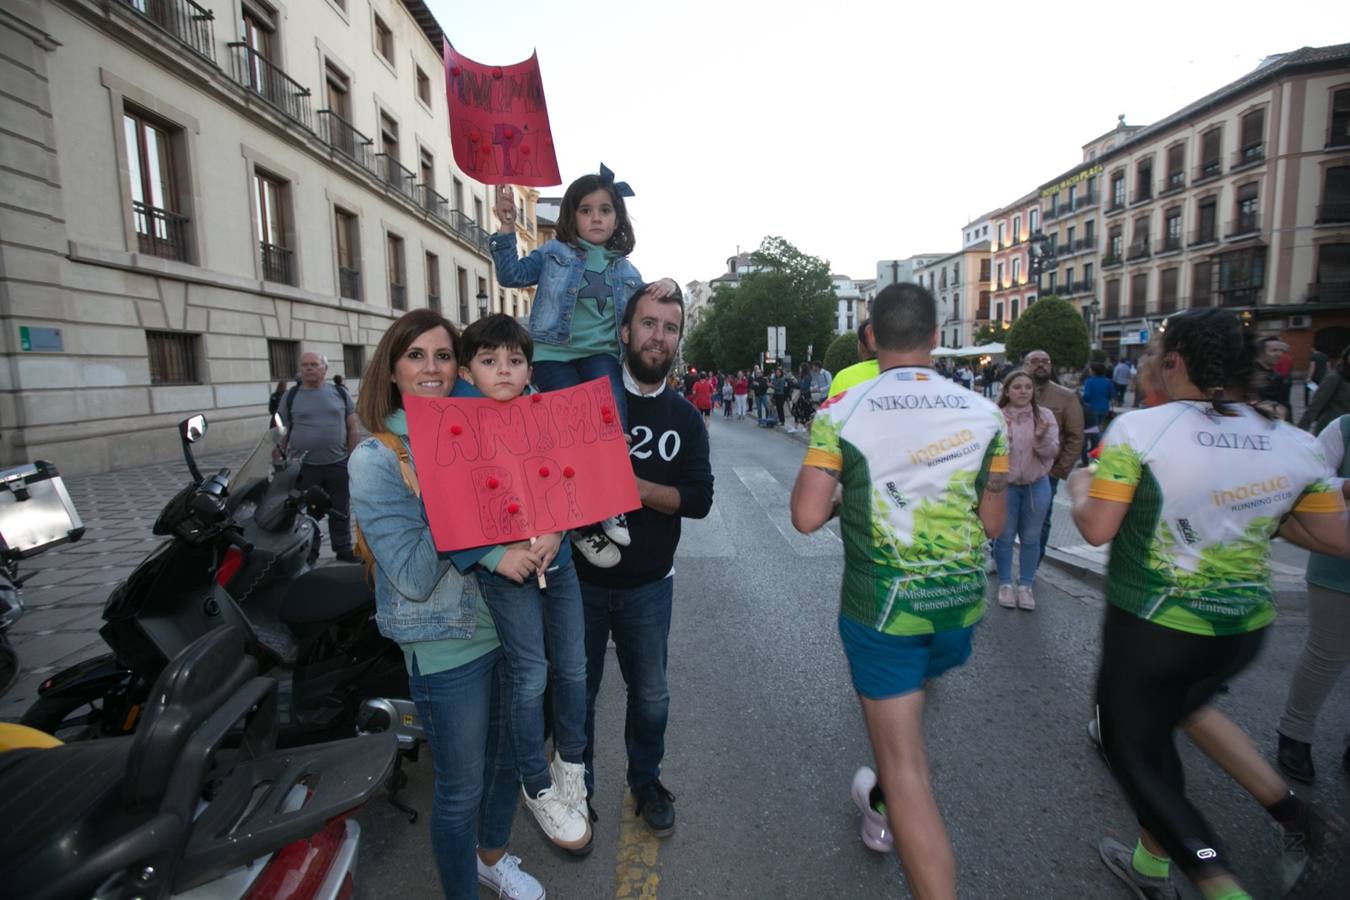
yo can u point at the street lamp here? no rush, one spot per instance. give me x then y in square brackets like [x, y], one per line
[482, 303]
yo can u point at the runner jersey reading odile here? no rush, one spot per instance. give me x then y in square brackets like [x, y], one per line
[1206, 493]
[913, 450]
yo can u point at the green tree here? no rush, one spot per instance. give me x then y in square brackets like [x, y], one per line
[842, 352]
[792, 289]
[993, 333]
[1055, 326]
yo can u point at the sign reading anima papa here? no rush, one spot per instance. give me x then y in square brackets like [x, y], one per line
[499, 121]
[497, 472]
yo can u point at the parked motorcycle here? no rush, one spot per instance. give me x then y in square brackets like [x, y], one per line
[179, 810]
[238, 554]
[36, 514]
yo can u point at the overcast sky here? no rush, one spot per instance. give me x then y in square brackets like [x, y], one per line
[858, 131]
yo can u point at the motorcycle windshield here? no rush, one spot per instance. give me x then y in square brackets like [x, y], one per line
[258, 465]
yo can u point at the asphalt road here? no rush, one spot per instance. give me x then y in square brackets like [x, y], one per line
[765, 734]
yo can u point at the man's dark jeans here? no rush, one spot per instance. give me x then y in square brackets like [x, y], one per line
[639, 620]
[333, 479]
[1045, 529]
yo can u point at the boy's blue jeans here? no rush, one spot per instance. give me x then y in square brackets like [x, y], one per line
[464, 713]
[526, 619]
[554, 375]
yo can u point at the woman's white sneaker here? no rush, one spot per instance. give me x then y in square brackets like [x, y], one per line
[561, 822]
[569, 779]
[509, 880]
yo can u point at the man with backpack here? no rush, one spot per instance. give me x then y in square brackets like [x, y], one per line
[320, 421]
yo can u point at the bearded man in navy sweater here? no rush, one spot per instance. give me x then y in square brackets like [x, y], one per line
[631, 602]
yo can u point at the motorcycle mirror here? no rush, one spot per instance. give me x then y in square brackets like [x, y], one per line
[193, 428]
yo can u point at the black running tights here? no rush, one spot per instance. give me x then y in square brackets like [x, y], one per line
[1152, 679]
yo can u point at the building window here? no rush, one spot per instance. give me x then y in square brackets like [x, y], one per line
[984, 270]
[1034, 220]
[283, 359]
[1242, 274]
[398, 279]
[1002, 234]
[384, 40]
[1335, 206]
[353, 360]
[1049, 287]
[433, 272]
[1068, 280]
[482, 293]
[258, 28]
[1206, 214]
[270, 197]
[1167, 291]
[1339, 133]
[1176, 166]
[1202, 288]
[1112, 299]
[1172, 230]
[173, 357]
[337, 92]
[1017, 271]
[462, 295]
[1073, 195]
[1012, 309]
[1143, 180]
[1068, 239]
[1000, 283]
[1210, 144]
[1017, 229]
[1140, 248]
[998, 312]
[1089, 233]
[1253, 146]
[1087, 277]
[348, 243]
[1246, 222]
[1117, 246]
[161, 229]
[423, 87]
[1333, 273]
[1118, 190]
[1139, 295]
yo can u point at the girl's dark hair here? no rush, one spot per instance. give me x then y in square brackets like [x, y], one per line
[1004, 399]
[621, 241]
[379, 396]
[1220, 354]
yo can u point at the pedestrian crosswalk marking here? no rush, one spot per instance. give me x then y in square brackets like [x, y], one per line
[772, 497]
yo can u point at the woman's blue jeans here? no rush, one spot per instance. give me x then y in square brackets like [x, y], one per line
[463, 711]
[554, 375]
[1028, 505]
[526, 618]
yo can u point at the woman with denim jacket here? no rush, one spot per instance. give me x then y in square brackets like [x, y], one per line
[584, 283]
[456, 672]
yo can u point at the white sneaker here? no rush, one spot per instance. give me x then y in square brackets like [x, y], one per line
[598, 550]
[569, 779]
[560, 823]
[875, 831]
[508, 880]
[616, 529]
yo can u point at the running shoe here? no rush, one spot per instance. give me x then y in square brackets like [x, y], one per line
[1120, 860]
[597, 549]
[1307, 856]
[616, 529]
[1025, 599]
[509, 880]
[875, 831]
[570, 780]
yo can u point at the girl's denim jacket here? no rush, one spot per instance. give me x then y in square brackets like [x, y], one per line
[418, 596]
[556, 268]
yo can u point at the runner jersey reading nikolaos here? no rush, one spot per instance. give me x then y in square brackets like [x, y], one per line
[913, 451]
[1207, 492]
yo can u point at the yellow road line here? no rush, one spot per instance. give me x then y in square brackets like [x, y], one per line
[635, 873]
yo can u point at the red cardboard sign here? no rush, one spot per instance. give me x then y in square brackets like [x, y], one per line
[499, 121]
[494, 472]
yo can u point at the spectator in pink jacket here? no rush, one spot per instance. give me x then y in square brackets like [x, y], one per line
[1033, 443]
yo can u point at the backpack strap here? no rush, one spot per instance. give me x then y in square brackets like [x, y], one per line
[342, 393]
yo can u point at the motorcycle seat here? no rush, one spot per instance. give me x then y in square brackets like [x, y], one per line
[325, 595]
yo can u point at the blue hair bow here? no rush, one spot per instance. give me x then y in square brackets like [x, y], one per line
[621, 188]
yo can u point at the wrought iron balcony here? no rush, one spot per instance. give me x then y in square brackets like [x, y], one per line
[1202, 236]
[1243, 296]
[1210, 168]
[1138, 250]
[1117, 204]
[1246, 225]
[1171, 244]
[1334, 212]
[276, 263]
[1167, 305]
[257, 74]
[1329, 292]
[1089, 243]
[1054, 212]
[1249, 155]
[339, 134]
[1086, 201]
[395, 175]
[1110, 260]
[184, 21]
[349, 283]
[1144, 193]
[160, 232]
[433, 203]
[1175, 181]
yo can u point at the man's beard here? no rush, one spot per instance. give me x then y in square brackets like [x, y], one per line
[1039, 378]
[647, 374]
